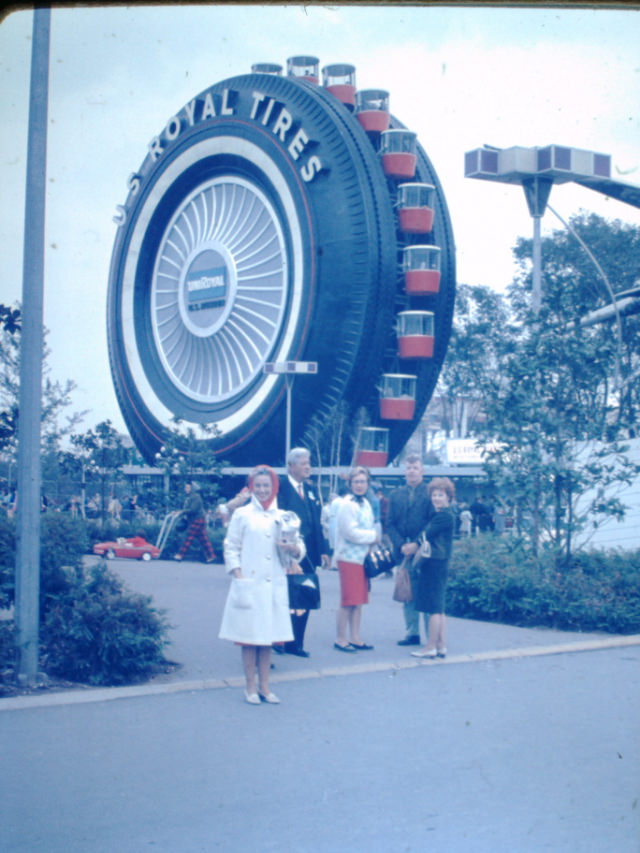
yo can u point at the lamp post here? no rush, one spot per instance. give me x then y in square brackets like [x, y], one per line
[290, 369]
[29, 474]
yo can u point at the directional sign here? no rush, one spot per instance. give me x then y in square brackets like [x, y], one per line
[290, 367]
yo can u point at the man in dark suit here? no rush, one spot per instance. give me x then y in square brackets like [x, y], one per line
[297, 495]
[407, 515]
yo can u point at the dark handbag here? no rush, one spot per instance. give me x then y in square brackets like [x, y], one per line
[402, 591]
[304, 592]
[378, 561]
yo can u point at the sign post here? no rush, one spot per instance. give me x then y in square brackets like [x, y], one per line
[290, 369]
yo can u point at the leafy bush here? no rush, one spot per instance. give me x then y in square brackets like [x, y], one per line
[7, 649]
[97, 632]
[92, 629]
[496, 580]
[63, 541]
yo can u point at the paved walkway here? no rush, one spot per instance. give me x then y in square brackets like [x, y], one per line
[193, 595]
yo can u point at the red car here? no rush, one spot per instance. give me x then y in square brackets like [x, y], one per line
[135, 548]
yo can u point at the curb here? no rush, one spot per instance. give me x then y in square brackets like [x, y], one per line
[110, 694]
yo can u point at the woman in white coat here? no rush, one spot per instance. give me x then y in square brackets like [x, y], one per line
[256, 612]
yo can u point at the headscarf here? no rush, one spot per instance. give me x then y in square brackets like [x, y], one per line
[265, 469]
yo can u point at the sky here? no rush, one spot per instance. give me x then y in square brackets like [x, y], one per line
[458, 76]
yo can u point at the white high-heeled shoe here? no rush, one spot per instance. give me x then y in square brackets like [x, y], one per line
[425, 653]
[269, 697]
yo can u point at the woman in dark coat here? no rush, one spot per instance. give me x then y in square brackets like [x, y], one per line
[431, 580]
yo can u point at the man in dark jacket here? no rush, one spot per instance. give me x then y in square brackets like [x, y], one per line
[193, 510]
[407, 516]
[481, 515]
[297, 495]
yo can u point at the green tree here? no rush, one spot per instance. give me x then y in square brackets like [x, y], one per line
[100, 450]
[552, 411]
[187, 455]
[56, 396]
[481, 328]
[327, 442]
[9, 355]
[573, 286]
[10, 319]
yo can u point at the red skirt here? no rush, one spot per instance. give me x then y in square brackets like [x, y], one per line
[354, 587]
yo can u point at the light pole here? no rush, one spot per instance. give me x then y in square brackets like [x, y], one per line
[29, 474]
[290, 369]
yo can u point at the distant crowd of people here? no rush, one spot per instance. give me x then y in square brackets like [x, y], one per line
[128, 510]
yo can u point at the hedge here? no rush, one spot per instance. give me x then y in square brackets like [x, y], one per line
[493, 579]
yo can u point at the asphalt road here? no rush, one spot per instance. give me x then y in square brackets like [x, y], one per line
[518, 742]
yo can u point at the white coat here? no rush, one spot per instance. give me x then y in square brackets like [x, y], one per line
[256, 611]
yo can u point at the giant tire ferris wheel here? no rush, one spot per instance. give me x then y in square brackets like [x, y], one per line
[266, 224]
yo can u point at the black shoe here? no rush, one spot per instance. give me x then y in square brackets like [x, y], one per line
[278, 649]
[411, 640]
[363, 647]
[346, 648]
[301, 653]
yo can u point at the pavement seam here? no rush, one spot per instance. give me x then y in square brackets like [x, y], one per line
[109, 694]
